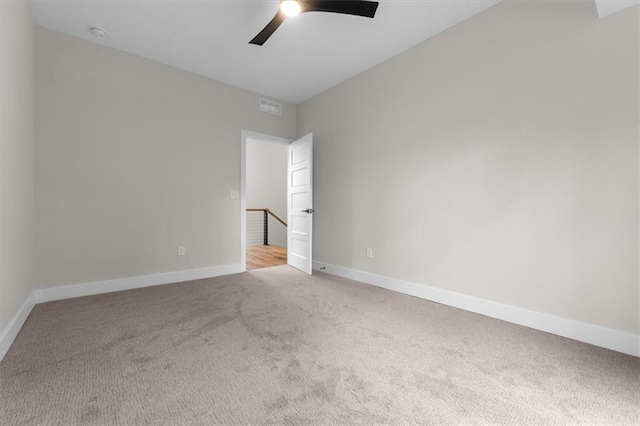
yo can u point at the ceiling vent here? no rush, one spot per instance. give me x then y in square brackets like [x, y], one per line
[271, 107]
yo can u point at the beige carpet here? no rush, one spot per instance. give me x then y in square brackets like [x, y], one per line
[274, 346]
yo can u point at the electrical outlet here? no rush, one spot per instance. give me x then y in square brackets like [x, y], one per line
[182, 251]
[369, 253]
[234, 195]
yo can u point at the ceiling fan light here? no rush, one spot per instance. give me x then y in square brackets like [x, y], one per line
[290, 7]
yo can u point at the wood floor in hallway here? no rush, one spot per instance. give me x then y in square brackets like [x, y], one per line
[265, 256]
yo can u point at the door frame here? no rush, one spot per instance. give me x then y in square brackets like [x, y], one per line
[244, 135]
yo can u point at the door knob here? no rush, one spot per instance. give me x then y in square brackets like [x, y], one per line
[308, 211]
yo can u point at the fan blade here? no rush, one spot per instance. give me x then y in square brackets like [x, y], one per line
[358, 8]
[269, 29]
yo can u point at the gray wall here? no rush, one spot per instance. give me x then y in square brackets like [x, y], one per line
[135, 158]
[17, 203]
[498, 159]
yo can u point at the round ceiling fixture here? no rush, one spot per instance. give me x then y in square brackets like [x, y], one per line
[98, 32]
[290, 7]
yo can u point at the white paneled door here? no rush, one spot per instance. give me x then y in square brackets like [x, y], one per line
[300, 204]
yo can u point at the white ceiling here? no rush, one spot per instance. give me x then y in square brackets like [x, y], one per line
[307, 55]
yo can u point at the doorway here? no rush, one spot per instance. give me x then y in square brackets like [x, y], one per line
[265, 200]
[276, 193]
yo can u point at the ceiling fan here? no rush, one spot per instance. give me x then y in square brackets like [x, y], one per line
[363, 8]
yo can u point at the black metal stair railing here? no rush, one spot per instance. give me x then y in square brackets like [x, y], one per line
[266, 213]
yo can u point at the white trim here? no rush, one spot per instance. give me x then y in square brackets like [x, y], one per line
[599, 336]
[108, 286]
[244, 135]
[15, 325]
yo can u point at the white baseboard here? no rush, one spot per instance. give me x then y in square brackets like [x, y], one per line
[599, 336]
[13, 328]
[108, 286]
